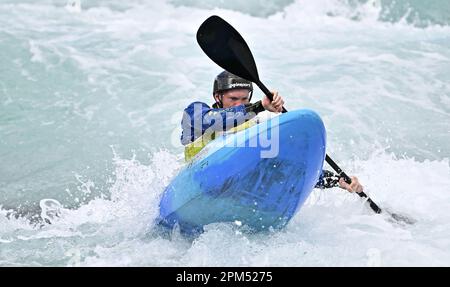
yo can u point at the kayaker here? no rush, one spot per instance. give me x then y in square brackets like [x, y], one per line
[232, 109]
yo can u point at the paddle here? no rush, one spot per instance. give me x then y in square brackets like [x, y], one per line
[226, 47]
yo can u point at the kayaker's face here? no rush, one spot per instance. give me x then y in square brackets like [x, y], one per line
[236, 97]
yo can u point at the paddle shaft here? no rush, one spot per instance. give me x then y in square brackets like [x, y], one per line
[328, 159]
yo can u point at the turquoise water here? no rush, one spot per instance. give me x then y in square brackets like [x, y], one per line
[91, 94]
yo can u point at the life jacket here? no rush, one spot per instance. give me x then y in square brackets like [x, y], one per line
[192, 149]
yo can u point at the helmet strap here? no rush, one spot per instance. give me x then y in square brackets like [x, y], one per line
[250, 97]
[218, 104]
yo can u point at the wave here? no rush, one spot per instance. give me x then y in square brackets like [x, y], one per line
[414, 12]
[117, 231]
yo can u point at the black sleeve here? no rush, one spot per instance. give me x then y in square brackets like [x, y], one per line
[328, 179]
[254, 108]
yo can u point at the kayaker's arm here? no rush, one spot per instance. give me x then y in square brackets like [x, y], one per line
[327, 179]
[199, 117]
[255, 108]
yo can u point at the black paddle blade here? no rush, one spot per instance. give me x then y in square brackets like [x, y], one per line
[226, 47]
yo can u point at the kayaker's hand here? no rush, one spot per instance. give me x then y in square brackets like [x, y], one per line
[355, 186]
[276, 105]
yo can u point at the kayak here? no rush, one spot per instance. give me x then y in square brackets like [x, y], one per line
[258, 177]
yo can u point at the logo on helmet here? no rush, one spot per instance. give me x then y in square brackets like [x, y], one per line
[240, 85]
